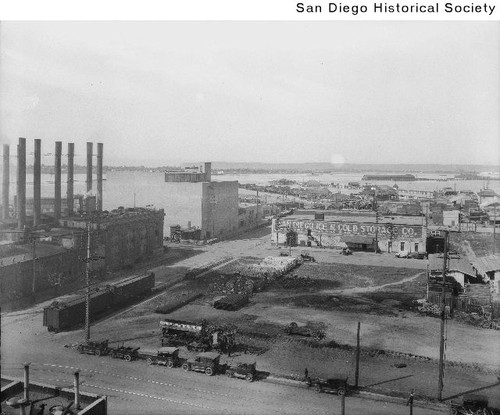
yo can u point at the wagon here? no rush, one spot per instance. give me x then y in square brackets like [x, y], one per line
[165, 356]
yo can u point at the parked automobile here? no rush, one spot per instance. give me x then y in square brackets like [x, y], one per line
[208, 362]
[98, 348]
[331, 385]
[417, 255]
[165, 356]
[242, 370]
[402, 254]
[125, 353]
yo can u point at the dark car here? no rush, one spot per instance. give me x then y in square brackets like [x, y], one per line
[165, 356]
[242, 370]
[208, 362]
[417, 255]
[99, 348]
[331, 385]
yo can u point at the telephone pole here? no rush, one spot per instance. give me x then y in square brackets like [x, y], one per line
[443, 319]
[87, 284]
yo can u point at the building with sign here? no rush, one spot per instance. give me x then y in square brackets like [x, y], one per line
[358, 232]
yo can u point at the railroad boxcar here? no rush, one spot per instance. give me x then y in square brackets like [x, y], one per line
[64, 315]
[128, 290]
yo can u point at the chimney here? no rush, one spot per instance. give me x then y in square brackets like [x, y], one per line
[99, 177]
[21, 183]
[37, 183]
[6, 180]
[69, 189]
[57, 182]
[208, 172]
[89, 167]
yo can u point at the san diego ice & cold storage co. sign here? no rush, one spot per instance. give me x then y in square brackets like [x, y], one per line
[354, 228]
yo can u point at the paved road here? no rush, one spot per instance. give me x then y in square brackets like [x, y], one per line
[135, 388]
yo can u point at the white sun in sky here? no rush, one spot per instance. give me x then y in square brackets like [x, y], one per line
[337, 159]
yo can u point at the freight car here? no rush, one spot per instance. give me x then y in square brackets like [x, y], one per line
[64, 315]
[130, 289]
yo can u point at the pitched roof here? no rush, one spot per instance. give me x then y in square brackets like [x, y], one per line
[487, 263]
[454, 264]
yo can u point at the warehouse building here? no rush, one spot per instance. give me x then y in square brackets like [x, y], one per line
[360, 232]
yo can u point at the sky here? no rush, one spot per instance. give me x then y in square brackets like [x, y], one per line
[158, 93]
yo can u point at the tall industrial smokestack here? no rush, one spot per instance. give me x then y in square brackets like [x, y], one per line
[21, 183]
[57, 182]
[37, 183]
[208, 172]
[89, 167]
[6, 181]
[69, 188]
[99, 177]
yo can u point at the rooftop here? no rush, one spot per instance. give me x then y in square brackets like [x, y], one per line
[454, 264]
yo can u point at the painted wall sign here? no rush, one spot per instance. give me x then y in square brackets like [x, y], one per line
[353, 228]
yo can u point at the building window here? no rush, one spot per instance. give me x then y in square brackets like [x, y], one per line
[416, 247]
[402, 246]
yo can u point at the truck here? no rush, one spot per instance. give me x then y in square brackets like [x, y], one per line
[199, 337]
[164, 356]
[207, 362]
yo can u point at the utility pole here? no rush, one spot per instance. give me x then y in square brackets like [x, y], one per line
[358, 352]
[376, 218]
[443, 319]
[33, 282]
[342, 403]
[87, 284]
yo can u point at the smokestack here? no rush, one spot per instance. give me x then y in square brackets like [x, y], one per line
[89, 167]
[57, 182]
[21, 183]
[99, 177]
[6, 180]
[37, 183]
[208, 172]
[69, 188]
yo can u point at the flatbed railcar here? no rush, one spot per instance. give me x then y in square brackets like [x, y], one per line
[65, 315]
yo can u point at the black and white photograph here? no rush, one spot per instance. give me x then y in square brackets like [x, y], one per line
[250, 217]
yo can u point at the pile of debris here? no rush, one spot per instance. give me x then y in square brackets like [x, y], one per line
[428, 308]
[270, 268]
[236, 284]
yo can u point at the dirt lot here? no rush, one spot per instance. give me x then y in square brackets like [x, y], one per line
[333, 295]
